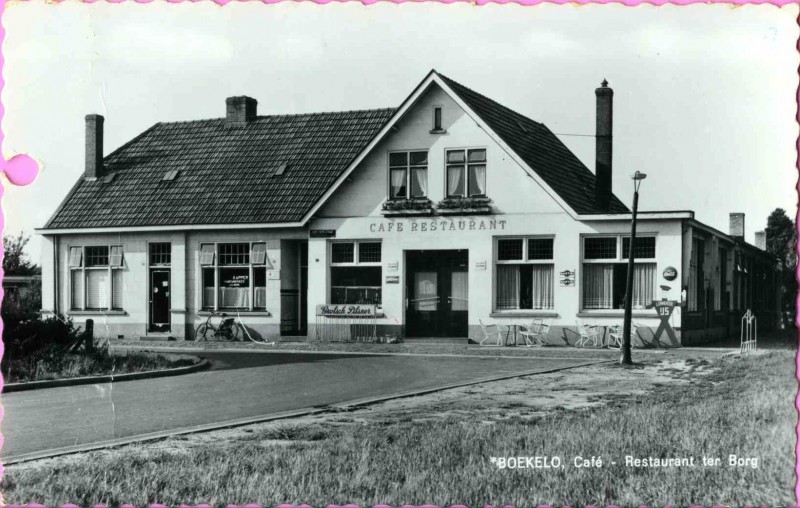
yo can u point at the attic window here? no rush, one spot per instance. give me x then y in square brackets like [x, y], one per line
[109, 177]
[437, 121]
[281, 169]
[170, 175]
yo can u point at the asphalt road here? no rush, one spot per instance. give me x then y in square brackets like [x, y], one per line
[239, 385]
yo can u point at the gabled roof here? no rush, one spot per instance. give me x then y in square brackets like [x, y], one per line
[225, 174]
[278, 170]
[541, 150]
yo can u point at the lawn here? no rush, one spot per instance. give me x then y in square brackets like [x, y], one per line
[743, 407]
[55, 362]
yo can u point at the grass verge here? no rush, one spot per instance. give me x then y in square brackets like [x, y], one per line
[57, 363]
[744, 408]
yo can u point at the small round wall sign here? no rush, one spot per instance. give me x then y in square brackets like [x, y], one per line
[670, 273]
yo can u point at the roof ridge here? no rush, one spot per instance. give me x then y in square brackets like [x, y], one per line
[285, 115]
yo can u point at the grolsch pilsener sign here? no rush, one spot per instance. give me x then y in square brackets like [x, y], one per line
[346, 310]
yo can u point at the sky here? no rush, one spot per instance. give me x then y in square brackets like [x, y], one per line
[705, 95]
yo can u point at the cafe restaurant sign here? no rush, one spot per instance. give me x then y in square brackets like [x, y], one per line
[437, 225]
[346, 310]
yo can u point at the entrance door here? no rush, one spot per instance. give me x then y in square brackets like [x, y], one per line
[437, 293]
[159, 301]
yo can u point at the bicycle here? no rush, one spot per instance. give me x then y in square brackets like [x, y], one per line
[227, 329]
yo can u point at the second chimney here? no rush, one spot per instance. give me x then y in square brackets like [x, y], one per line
[240, 110]
[94, 147]
[736, 228]
[761, 240]
[603, 135]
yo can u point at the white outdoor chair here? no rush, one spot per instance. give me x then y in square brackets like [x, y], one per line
[588, 333]
[615, 335]
[491, 332]
[535, 333]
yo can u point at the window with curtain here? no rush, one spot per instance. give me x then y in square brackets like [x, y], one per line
[605, 272]
[96, 277]
[356, 273]
[234, 276]
[408, 175]
[524, 274]
[466, 172]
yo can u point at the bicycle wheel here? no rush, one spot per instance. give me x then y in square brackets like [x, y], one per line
[200, 333]
[234, 335]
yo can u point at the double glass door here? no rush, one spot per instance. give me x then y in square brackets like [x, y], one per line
[437, 293]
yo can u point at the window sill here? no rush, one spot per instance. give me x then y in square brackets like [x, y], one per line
[234, 313]
[406, 213]
[523, 313]
[97, 313]
[615, 313]
[480, 210]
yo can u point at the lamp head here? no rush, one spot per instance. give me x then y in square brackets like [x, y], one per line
[639, 176]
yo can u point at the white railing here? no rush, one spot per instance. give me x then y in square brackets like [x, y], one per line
[346, 323]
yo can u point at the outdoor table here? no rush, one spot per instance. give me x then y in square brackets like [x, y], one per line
[515, 328]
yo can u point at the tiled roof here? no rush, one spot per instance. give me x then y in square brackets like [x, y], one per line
[541, 150]
[207, 172]
[224, 173]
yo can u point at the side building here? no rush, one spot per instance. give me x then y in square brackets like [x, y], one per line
[446, 212]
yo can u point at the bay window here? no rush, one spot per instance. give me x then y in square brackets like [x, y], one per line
[605, 271]
[356, 273]
[234, 276]
[524, 273]
[96, 281]
[408, 175]
[466, 173]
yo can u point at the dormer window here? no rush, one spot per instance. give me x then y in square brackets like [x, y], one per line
[408, 175]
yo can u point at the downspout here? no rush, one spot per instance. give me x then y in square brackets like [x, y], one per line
[56, 271]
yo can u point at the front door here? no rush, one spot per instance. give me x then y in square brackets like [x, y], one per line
[159, 301]
[437, 293]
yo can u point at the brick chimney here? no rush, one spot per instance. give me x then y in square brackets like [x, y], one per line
[240, 110]
[603, 137]
[761, 240]
[736, 228]
[94, 147]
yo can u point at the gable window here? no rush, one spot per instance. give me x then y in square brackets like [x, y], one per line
[408, 175]
[437, 119]
[234, 276]
[524, 268]
[96, 277]
[466, 173]
[356, 273]
[605, 271]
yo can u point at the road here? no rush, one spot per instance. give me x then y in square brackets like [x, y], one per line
[239, 385]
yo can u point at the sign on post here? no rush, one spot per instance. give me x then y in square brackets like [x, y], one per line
[664, 309]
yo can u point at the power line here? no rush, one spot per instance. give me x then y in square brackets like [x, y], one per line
[577, 135]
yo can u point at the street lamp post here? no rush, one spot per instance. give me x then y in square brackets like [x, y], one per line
[626, 323]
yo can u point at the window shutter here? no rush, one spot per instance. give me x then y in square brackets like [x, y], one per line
[207, 254]
[77, 289]
[116, 255]
[116, 289]
[96, 289]
[258, 253]
[75, 257]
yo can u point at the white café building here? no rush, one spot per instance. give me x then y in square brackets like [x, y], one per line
[447, 211]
